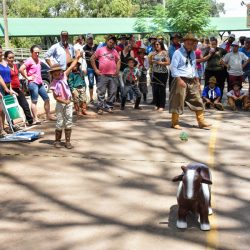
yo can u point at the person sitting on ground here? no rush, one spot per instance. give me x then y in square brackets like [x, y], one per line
[78, 88]
[62, 95]
[237, 98]
[131, 76]
[211, 95]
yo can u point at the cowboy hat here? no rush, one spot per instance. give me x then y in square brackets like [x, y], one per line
[55, 67]
[212, 79]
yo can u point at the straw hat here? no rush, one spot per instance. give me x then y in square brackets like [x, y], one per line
[212, 79]
[55, 67]
[190, 37]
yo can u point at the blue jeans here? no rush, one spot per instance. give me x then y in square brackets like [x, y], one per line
[35, 90]
[91, 77]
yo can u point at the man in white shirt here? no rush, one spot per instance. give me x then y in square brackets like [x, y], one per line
[235, 62]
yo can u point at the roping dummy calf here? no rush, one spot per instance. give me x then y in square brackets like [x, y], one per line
[194, 194]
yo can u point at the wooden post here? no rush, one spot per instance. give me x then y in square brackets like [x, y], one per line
[6, 32]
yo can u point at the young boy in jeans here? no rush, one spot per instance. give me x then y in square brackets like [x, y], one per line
[130, 78]
[211, 95]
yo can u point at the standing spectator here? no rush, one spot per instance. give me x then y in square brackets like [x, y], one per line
[124, 56]
[3, 89]
[185, 87]
[16, 86]
[159, 60]
[130, 78]
[246, 51]
[199, 57]
[227, 44]
[5, 79]
[136, 45]
[108, 71]
[89, 50]
[122, 41]
[77, 86]
[143, 66]
[235, 62]
[61, 53]
[152, 39]
[242, 40]
[214, 67]
[175, 44]
[80, 42]
[31, 70]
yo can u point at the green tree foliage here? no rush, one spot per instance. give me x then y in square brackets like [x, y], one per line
[216, 8]
[188, 15]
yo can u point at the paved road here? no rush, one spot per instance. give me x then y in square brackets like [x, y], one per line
[113, 191]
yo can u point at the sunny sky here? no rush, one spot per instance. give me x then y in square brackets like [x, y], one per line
[233, 8]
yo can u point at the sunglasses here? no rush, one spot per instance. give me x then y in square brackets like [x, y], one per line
[157, 44]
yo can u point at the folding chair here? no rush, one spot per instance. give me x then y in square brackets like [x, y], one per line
[13, 114]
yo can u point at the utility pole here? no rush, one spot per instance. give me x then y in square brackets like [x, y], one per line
[6, 33]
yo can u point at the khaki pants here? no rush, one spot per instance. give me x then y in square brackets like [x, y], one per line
[189, 95]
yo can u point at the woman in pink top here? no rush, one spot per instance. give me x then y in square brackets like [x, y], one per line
[31, 70]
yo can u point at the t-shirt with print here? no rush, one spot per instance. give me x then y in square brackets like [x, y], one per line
[235, 61]
[34, 69]
[161, 57]
[107, 60]
[213, 62]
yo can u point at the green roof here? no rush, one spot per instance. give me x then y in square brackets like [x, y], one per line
[22, 27]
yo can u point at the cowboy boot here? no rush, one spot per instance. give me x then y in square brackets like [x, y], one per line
[123, 102]
[58, 136]
[201, 120]
[231, 103]
[137, 103]
[67, 138]
[84, 108]
[175, 121]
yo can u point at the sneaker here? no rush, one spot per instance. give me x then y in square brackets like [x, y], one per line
[110, 110]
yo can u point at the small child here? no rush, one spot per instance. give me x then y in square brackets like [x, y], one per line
[211, 95]
[78, 88]
[143, 65]
[130, 76]
[237, 98]
[62, 95]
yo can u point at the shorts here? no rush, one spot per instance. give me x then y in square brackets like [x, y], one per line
[37, 89]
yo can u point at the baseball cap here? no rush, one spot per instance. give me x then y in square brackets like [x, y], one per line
[232, 35]
[89, 35]
[235, 43]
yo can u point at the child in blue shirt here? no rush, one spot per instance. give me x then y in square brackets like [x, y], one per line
[211, 95]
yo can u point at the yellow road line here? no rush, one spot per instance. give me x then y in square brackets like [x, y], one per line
[212, 235]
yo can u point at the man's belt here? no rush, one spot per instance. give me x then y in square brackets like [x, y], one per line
[187, 79]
